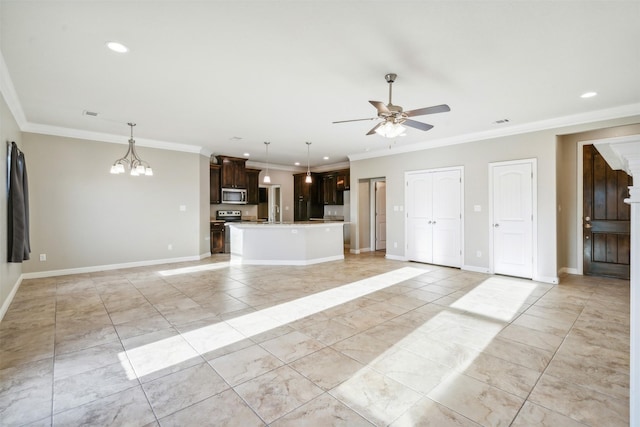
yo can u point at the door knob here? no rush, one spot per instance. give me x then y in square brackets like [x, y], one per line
[496, 225]
[587, 226]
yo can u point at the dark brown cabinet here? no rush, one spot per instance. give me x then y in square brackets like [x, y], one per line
[306, 197]
[217, 237]
[330, 193]
[253, 195]
[233, 172]
[330, 190]
[214, 184]
[342, 180]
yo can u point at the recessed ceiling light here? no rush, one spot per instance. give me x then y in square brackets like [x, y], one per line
[297, 163]
[246, 154]
[326, 157]
[117, 47]
[588, 94]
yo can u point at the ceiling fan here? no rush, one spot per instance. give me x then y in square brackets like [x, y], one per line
[393, 117]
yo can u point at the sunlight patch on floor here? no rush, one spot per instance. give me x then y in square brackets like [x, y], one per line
[165, 353]
[482, 299]
[194, 269]
[446, 344]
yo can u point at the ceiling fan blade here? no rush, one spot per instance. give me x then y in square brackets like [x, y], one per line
[417, 125]
[355, 120]
[380, 107]
[372, 131]
[428, 110]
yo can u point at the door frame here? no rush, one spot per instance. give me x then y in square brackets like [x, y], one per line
[372, 211]
[580, 208]
[534, 212]
[462, 211]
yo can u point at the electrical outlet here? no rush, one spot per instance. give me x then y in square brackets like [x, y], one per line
[479, 254]
[170, 247]
[183, 208]
[43, 257]
[395, 244]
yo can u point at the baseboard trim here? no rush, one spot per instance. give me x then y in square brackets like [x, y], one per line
[359, 251]
[96, 268]
[395, 257]
[567, 270]
[475, 269]
[12, 294]
[547, 279]
[238, 260]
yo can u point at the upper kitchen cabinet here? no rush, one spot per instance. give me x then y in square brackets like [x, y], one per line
[342, 180]
[214, 184]
[233, 172]
[253, 196]
[330, 193]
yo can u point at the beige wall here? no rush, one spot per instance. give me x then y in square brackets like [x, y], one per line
[475, 158]
[569, 246]
[9, 272]
[82, 216]
[204, 199]
[284, 179]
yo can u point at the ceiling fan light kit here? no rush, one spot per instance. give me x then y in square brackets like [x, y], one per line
[391, 130]
[393, 117]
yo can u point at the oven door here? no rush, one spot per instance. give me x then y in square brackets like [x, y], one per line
[235, 196]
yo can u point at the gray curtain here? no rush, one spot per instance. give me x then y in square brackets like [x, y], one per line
[18, 215]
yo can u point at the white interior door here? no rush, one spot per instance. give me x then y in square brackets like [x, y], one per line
[434, 217]
[512, 218]
[419, 209]
[381, 215]
[447, 214]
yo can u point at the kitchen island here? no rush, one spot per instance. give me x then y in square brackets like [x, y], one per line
[297, 243]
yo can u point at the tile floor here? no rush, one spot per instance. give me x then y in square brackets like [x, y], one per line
[361, 342]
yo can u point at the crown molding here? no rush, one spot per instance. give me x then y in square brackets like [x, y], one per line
[558, 122]
[9, 93]
[273, 166]
[107, 137]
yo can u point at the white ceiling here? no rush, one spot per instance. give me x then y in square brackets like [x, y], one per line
[203, 73]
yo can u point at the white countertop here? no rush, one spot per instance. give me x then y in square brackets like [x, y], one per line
[304, 224]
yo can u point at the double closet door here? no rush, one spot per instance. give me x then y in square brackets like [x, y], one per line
[434, 216]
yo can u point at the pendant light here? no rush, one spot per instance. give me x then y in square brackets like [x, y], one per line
[137, 166]
[267, 178]
[308, 178]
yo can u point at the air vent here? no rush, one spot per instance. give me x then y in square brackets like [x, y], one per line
[89, 113]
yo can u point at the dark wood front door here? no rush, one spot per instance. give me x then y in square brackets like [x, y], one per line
[605, 224]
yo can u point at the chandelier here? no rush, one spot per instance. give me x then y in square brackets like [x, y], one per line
[136, 165]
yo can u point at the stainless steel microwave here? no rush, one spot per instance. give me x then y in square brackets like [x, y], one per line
[235, 196]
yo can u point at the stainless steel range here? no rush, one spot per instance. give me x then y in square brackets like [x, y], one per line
[228, 216]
